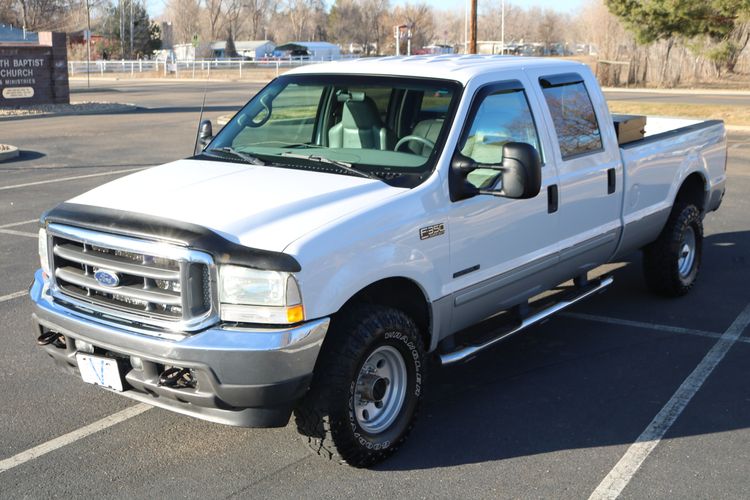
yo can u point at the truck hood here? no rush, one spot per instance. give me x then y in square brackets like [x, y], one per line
[256, 206]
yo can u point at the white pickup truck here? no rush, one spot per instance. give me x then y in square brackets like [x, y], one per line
[348, 225]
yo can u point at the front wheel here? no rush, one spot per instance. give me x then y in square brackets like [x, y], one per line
[367, 387]
[672, 262]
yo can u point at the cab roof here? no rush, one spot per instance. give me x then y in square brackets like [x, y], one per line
[461, 68]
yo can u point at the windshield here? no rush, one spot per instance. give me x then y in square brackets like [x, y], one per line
[383, 127]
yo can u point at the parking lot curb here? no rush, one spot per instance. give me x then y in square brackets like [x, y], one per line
[130, 108]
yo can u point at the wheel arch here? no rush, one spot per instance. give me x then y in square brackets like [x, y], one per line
[693, 190]
[400, 293]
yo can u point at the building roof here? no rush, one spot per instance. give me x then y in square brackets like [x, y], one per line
[457, 67]
[313, 45]
[241, 44]
[17, 35]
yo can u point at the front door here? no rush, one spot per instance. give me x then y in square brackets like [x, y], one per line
[501, 248]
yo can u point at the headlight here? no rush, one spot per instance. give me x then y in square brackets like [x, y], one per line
[43, 256]
[254, 296]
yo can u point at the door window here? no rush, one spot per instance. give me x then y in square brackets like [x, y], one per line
[574, 118]
[502, 116]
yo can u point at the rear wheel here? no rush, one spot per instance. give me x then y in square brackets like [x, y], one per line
[672, 262]
[367, 387]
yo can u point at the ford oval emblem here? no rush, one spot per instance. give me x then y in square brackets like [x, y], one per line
[107, 278]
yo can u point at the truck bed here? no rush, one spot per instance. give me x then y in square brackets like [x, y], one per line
[655, 167]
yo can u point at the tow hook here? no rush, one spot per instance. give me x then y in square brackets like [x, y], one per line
[178, 378]
[50, 337]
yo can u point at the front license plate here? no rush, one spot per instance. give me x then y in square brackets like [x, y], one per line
[99, 371]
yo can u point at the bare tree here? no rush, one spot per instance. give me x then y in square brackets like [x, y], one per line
[305, 20]
[215, 17]
[256, 15]
[185, 15]
[345, 22]
[449, 27]
[233, 17]
[359, 21]
[39, 15]
[8, 14]
[421, 19]
[548, 28]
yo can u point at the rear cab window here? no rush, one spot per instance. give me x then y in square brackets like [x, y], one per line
[572, 114]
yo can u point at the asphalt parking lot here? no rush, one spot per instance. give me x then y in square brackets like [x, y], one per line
[623, 380]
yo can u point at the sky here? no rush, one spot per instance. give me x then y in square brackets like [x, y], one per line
[156, 7]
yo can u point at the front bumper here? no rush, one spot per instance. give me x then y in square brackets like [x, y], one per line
[244, 377]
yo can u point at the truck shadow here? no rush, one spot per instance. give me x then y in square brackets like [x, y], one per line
[573, 383]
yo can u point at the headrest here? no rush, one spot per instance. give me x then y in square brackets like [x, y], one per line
[351, 96]
[361, 114]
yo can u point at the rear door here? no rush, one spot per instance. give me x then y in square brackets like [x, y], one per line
[588, 165]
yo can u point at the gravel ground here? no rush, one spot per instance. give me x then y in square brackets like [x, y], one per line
[75, 108]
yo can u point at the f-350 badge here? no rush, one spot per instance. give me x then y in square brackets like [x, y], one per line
[431, 231]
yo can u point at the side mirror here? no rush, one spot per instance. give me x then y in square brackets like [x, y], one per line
[520, 174]
[521, 171]
[205, 133]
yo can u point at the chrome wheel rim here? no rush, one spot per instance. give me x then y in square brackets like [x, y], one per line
[380, 390]
[687, 253]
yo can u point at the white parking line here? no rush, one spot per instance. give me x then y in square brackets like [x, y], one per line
[647, 326]
[13, 295]
[619, 477]
[71, 437]
[19, 233]
[14, 224]
[76, 177]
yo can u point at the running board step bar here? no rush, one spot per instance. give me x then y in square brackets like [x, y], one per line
[467, 352]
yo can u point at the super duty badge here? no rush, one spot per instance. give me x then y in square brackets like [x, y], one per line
[431, 231]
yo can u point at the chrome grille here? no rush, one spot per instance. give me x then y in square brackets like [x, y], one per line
[157, 284]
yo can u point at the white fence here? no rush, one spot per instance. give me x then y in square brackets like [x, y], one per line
[201, 68]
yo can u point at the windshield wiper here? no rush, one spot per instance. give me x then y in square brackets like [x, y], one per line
[347, 167]
[239, 154]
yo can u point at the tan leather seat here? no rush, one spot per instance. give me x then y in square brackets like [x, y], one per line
[360, 126]
[430, 130]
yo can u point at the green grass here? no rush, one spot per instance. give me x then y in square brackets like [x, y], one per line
[732, 115]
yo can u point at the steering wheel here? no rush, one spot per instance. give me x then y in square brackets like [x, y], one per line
[415, 138]
[255, 122]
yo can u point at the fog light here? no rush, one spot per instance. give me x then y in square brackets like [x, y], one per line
[82, 346]
[136, 363]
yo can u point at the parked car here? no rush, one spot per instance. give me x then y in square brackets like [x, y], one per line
[346, 227]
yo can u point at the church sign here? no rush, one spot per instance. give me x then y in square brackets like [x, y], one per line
[34, 73]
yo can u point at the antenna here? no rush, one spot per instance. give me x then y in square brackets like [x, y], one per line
[200, 118]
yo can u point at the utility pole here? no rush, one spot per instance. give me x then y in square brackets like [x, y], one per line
[466, 26]
[408, 38]
[502, 29]
[130, 56]
[122, 31]
[88, 44]
[473, 28]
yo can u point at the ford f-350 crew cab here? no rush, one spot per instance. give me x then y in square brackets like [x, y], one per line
[347, 226]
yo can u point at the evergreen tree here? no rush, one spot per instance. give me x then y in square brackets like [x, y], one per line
[653, 20]
[709, 26]
[230, 51]
[116, 27]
